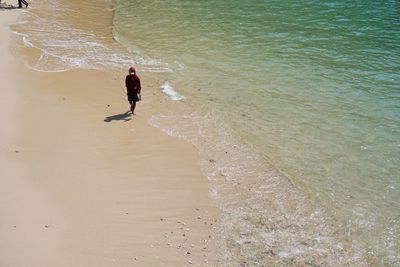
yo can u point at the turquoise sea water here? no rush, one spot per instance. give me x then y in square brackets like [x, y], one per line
[312, 85]
[297, 103]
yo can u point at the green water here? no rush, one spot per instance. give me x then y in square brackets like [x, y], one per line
[312, 85]
[297, 102]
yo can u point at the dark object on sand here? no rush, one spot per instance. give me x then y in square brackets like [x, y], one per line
[20, 2]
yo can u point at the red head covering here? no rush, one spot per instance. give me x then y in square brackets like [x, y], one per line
[132, 70]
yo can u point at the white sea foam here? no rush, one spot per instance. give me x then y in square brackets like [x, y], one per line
[265, 216]
[27, 43]
[170, 92]
[116, 38]
[63, 47]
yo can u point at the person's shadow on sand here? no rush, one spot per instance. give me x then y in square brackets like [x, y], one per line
[4, 5]
[119, 117]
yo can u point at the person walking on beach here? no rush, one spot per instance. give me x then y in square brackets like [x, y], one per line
[133, 88]
[20, 3]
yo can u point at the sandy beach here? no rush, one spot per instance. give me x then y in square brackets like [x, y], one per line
[82, 183]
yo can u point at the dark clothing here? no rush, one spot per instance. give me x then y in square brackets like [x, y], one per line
[20, 3]
[132, 83]
[133, 98]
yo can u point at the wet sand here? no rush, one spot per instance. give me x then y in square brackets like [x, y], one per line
[82, 183]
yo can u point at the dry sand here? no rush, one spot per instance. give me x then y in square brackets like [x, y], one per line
[83, 184]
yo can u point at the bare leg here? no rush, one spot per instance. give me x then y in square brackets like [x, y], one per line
[133, 105]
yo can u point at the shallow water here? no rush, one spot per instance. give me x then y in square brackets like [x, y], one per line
[293, 105]
[313, 86]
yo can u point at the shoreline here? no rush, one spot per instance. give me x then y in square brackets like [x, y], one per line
[257, 198]
[81, 185]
